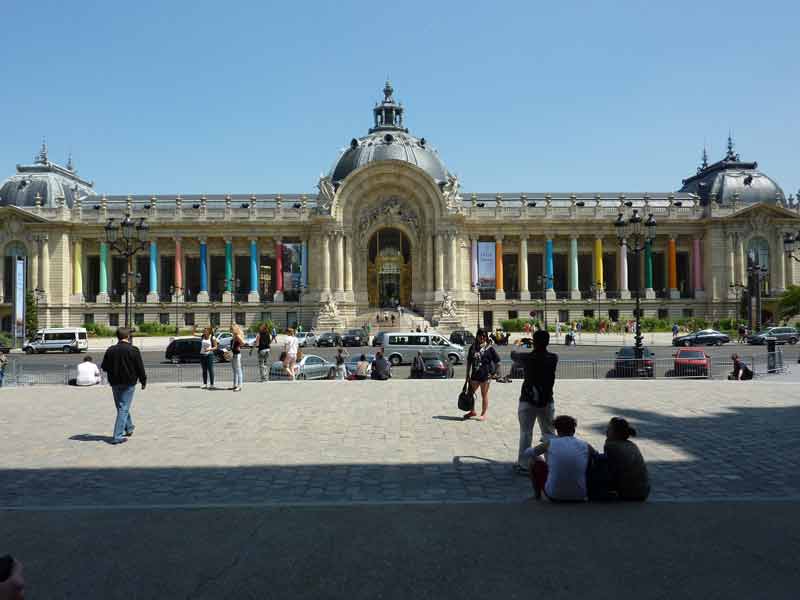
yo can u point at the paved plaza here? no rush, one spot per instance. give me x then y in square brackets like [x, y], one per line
[336, 443]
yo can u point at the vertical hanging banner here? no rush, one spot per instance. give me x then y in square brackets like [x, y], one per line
[19, 297]
[292, 265]
[486, 265]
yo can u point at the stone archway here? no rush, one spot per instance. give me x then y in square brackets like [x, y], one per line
[389, 268]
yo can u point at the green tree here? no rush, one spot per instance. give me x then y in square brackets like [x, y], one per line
[31, 314]
[789, 303]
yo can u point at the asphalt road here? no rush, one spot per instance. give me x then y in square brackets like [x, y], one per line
[575, 360]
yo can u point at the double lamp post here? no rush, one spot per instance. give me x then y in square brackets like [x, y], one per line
[127, 238]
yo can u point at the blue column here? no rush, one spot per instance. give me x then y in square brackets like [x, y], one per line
[153, 267]
[304, 264]
[228, 265]
[548, 250]
[203, 267]
[253, 267]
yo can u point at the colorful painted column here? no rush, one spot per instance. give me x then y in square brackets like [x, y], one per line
[202, 293]
[574, 283]
[672, 268]
[500, 293]
[77, 271]
[697, 265]
[599, 282]
[548, 263]
[304, 265]
[278, 271]
[178, 269]
[103, 283]
[152, 293]
[229, 266]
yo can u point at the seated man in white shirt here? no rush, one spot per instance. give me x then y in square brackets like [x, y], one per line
[88, 373]
[563, 476]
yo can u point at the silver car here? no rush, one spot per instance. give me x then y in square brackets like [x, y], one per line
[402, 347]
[309, 367]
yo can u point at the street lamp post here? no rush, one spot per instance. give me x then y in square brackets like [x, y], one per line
[639, 233]
[129, 278]
[756, 274]
[791, 244]
[477, 289]
[737, 288]
[234, 285]
[128, 238]
[596, 289]
[175, 292]
[543, 280]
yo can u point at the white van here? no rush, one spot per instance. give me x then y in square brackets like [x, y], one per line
[402, 347]
[58, 339]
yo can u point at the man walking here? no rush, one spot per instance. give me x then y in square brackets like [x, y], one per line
[536, 397]
[123, 366]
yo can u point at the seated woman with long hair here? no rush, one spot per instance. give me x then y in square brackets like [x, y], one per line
[628, 477]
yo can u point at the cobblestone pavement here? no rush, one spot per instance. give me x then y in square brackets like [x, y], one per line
[400, 441]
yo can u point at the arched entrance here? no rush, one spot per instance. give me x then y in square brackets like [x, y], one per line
[389, 268]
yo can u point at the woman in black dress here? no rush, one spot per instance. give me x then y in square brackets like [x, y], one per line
[482, 362]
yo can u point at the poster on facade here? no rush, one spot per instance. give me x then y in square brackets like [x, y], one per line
[19, 298]
[292, 266]
[486, 264]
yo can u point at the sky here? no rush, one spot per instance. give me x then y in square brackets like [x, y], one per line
[243, 97]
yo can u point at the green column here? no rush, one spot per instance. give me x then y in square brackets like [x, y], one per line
[228, 265]
[648, 265]
[103, 268]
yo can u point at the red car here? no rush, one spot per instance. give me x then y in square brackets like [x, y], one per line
[691, 362]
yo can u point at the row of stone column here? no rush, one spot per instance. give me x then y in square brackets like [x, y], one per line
[599, 280]
[342, 263]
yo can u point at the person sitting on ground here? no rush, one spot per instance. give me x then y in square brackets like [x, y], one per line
[741, 372]
[563, 476]
[381, 369]
[628, 472]
[418, 366]
[88, 373]
[362, 368]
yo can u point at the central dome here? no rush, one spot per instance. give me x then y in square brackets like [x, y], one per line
[389, 140]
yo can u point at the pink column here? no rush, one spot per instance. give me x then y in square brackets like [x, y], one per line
[698, 264]
[178, 264]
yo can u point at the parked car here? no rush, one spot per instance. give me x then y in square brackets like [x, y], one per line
[379, 339]
[436, 367]
[355, 337]
[704, 337]
[306, 338]
[782, 335]
[309, 367]
[350, 363]
[691, 362]
[57, 339]
[250, 340]
[329, 339]
[627, 365]
[186, 349]
[462, 337]
[224, 338]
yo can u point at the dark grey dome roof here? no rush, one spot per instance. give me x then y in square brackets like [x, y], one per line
[47, 179]
[389, 140]
[733, 180]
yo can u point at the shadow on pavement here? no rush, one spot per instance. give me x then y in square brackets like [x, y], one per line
[90, 437]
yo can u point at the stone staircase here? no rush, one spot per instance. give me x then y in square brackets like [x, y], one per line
[408, 321]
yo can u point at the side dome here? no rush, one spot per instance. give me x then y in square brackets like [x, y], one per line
[388, 140]
[44, 179]
[733, 180]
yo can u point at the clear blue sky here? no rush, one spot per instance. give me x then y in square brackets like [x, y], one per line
[193, 97]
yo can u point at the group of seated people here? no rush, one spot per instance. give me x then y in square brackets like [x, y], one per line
[380, 369]
[574, 471]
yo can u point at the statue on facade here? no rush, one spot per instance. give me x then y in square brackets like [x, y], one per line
[450, 191]
[448, 308]
[326, 193]
[329, 308]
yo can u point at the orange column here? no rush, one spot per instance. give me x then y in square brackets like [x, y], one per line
[178, 265]
[672, 259]
[498, 265]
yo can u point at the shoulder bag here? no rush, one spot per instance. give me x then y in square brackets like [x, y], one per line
[466, 399]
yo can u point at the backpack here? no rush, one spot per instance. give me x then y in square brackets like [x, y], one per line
[598, 478]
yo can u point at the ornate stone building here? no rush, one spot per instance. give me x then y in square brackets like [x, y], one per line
[388, 224]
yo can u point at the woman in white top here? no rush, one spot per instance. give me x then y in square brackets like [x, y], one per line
[208, 346]
[563, 476]
[291, 348]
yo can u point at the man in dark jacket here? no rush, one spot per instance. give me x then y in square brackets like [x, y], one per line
[381, 369]
[123, 366]
[536, 397]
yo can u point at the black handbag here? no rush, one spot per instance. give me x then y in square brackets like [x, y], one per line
[466, 399]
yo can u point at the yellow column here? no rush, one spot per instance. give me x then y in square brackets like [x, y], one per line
[598, 262]
[77, 268]
[672, 262]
